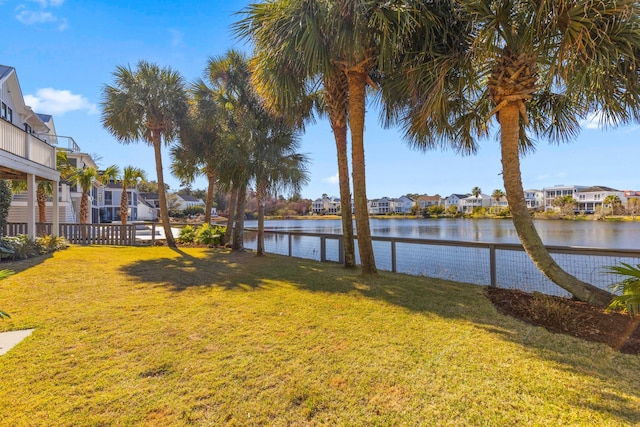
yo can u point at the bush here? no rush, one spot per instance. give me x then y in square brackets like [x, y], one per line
[23, 247]
[210, 235]
[629, 289]
[187, 235]
[193, 210]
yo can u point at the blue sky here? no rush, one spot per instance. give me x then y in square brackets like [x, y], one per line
[66, 51]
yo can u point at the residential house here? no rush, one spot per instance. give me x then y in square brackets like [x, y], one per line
[551, 193]
[24, 152]
[428, 201]
[402, 204]
[469, 203]
[592, 198]
[455, 200]
[188, 201]
[327, 206]
[110, 210]
[379, 206]
[534, 199]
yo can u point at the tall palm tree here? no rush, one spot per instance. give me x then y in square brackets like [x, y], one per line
[536, 68]
[84, 177]
[476, 191]
[286, 75]
[354, 37]
[131, 176]
[148, 104]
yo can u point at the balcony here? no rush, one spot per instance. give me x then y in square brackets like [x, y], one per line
[23, 153]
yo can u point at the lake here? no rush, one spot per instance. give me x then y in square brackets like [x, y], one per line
[598, 234]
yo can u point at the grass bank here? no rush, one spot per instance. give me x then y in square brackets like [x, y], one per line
[152, 336]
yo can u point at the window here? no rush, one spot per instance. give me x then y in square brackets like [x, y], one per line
[27, 128]
[9, 115]
[108, 197]
[3, 111]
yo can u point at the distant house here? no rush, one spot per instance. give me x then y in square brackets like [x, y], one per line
[591, 198]
[551, 193]
[147, 211]
[187, 201]
[534, 199]
[112, 197]
[455, 200]
[471, 202]
[379, 206]
[326, 205]
[402, 204]
[426, 201]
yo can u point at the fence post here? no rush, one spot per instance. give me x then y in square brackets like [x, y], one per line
[393, 255]
[341, 249]
[492, 264]
[290, 243]
[323, 249]
[153, 234]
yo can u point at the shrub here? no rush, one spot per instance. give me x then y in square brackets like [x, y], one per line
[23, 247]
[193, 210]
[628, 289]
[51, 243]
[210, 235]
[187, 234]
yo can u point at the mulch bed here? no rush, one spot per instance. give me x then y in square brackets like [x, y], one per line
[566, 316]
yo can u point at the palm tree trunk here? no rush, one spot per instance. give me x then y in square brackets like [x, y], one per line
[124, 201]
[233, 198]
[531, 241]
[208, 204]
[41, 198]
[260, 193]
[84, 206]
[357, 86]
[237, 242]
[336, 97]
[162, 196]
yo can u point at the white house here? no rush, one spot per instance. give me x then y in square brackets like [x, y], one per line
[591, 198]
[326, 205]
[470, 202]
[188, 201]
[534, 199]
[110, 210]
[455, 200]
[426, 201]
[379, 206]
[551, 193]
[402, 204]
[24, 152]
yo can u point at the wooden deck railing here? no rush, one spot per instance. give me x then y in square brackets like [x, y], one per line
[83, 234]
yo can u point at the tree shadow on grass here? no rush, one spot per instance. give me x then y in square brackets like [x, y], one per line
[218, 268]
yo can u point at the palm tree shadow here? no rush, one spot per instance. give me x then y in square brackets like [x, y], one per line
[215, 270]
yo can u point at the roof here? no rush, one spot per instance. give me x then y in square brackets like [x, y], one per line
[189, 198]
[44, 117]
[5, 71]
[597, 188]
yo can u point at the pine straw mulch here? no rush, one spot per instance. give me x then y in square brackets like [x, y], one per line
[566, 316]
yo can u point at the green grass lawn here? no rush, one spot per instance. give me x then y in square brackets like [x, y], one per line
[152, 336]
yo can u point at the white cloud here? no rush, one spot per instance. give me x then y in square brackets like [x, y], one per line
[593, 121]
[29, 17]
[57, 102]
[333, 180]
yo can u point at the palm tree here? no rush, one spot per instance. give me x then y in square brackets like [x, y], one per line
[84, 177]
[276, 165]
[476, 191]
[498, 195]
[285, 77]
[537, 68]
[355, 38]
[131, 176]
[147, 104]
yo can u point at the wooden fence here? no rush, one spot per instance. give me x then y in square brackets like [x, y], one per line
[83, 234]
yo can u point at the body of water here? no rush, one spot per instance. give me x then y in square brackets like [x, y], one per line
[598, 234]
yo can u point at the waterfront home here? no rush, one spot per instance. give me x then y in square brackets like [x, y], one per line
[25, 153]
[426, 201]
[379, 206]
[534, 198]
[402, 204]
[455, 200]
[326, 205]
[469, 203]
[592, 198]
[187, 201]
[551, 193]
[110, 210]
